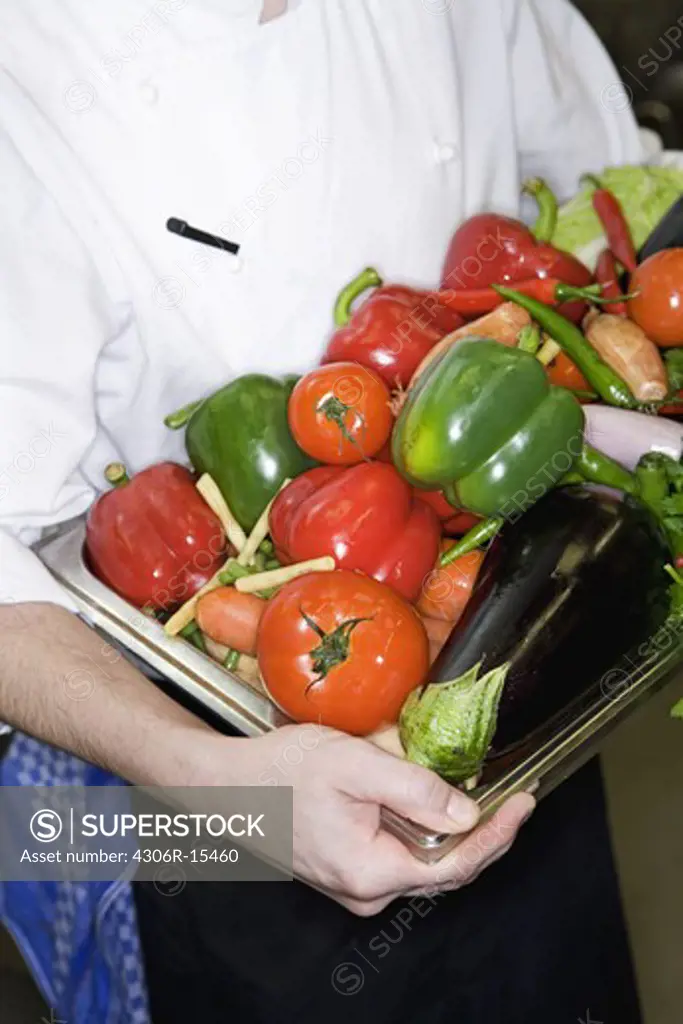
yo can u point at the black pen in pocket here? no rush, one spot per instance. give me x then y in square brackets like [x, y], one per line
[181, 227]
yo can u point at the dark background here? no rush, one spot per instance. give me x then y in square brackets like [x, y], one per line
[634, 31]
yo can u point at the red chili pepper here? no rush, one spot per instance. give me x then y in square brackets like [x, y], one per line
[153, 539]
[613, 220]
[392, 331]
[549, 291]
[608, 275]
[366, 517]
[490, 249]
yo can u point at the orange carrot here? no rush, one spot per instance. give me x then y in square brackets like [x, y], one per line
[231, 618]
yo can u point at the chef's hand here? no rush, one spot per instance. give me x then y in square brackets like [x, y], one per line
[340, 785]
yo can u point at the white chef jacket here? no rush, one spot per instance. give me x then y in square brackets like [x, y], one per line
[341, 134]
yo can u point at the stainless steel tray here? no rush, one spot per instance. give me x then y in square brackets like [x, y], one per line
[550, 756]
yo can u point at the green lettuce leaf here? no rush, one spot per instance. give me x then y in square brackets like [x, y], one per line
[646, 195]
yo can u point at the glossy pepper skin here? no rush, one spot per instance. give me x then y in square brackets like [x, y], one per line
[366, 517]
[391, 331]
[491, 249]
[241, 437]
[613, 219]
[607, 274]
[485, 425]
[153, 539]
[581, 579]
[601, 377]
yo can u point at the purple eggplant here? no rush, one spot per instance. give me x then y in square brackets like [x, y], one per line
[564, 593]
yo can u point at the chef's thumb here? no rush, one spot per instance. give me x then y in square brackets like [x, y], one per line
[416, 793]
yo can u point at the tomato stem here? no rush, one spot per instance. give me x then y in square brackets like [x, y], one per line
[335, 411]
[333, 648]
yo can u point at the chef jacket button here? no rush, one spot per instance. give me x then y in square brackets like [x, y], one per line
[445, 152]
[149, 91]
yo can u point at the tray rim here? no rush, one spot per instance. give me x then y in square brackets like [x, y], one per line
[234, 701]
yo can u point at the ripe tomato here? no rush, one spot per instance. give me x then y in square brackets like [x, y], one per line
[341, 649]
[658, 309]
[340, 414]
[446, 591]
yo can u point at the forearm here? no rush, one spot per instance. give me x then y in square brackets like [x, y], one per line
[61, 682]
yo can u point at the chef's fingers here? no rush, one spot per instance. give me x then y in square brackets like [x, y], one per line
[390, 870]
[482, 847]
[485, 844]
[411, 791]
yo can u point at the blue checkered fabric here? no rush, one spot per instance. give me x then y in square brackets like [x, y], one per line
[80, 940]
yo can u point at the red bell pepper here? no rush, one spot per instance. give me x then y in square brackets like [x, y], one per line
[366, 517]
[391, 331]
[153, 539]
[454, 522]
[491, 249]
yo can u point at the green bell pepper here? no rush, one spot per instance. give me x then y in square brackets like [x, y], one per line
[240, 436]
[485, 425]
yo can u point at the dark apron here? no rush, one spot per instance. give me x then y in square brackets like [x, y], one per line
[540, 937]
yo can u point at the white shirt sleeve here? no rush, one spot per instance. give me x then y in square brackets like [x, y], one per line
[573, 114]
[55, 318]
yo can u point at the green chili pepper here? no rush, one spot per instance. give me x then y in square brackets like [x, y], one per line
[267, 546]
[572, 478]
[476, 538]
[597, 468]
[609, 386]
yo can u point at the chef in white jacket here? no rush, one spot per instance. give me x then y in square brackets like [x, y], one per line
[319, 135]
